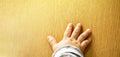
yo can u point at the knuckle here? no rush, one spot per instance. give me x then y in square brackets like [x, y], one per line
[76, 32]
[82, 36]
[86, 43]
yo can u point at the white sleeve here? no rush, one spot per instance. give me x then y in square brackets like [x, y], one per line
[68, 51]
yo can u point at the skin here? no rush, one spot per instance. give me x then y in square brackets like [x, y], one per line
[72, 36]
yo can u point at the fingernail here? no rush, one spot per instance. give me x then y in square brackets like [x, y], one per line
[49, 38]
[78, 24]
[70, 24]
[89, 30]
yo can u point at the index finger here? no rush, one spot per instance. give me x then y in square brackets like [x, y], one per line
[68, 30]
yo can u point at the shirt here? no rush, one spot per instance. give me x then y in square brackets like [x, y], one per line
[68, 51]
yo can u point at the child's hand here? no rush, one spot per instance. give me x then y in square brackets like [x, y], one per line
[72, 37]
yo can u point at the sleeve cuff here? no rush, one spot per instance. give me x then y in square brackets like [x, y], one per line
[66, 49]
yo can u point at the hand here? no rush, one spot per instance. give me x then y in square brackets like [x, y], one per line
[72, 37]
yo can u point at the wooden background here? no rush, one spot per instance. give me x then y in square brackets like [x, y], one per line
[25, 24]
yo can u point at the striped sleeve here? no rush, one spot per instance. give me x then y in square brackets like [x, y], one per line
[68, 51]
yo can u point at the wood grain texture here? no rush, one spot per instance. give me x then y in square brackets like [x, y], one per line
[25, 25]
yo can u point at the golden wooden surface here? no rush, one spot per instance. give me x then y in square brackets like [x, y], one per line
[25, 24]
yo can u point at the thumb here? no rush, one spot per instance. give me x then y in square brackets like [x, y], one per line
[51, 40]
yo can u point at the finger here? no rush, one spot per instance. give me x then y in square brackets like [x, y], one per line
[52, 40]
[84, 35]
[76, 31]
[68, 30]
[85, 43]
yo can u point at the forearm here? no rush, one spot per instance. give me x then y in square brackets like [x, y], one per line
[66, 51]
